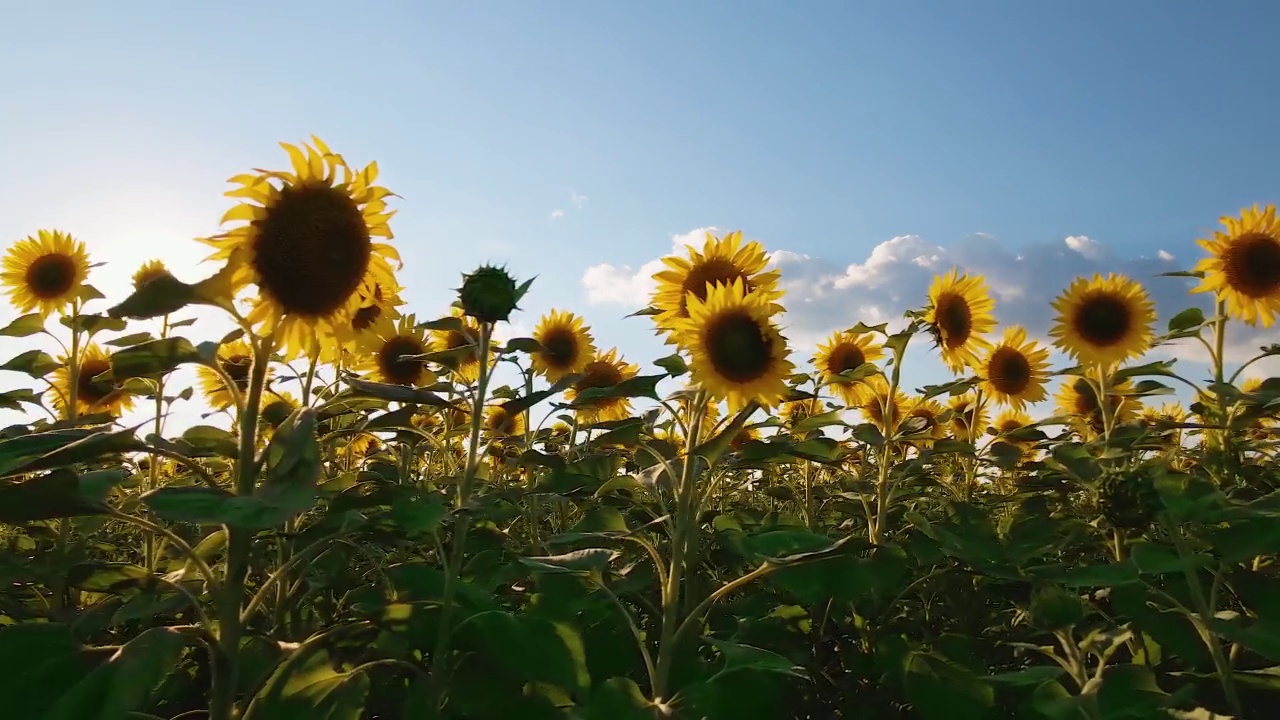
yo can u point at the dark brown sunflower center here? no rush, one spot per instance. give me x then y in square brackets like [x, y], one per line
[875, 409]
[397, 363]
[1103, 320]
[598, 374]
[50, 276]
[1252, 265]
[237, 368]
[954, 319]
[1085, 401]
[502, 423]
[845, 357]
[738, 347]
[1008, 426]
[312, 249]
[709, 272]
[89, 391]
[1009, 371]
[559, 348]
[365, 317]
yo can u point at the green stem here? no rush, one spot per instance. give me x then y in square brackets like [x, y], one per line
[1203, 614]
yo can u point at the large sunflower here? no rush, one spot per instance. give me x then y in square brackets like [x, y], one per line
[393, 351]
[308, 245]
[968, 417]
[1244, 265]
[465, 365]
[720, 262]
[736, 352]
[1015, 370]
[566, 343]
[878, 406]
[44, 272]
[92, 396]
[605, 371]
[959, 314]
[498, 423]
[1103, 321]
[236, 360]
[1078, 398]
[842, 352]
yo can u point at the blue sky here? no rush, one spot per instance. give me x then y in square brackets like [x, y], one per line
[987, 131]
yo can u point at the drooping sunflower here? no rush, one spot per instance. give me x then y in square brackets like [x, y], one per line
[797, 410]
[959, 314]
[308, 244]
[466, 364]
[566, 343]
[92, 396]
[842, 352]
[968, 417]
[879, 407]
[392, 351]
[1078, 398]
[149, 271]
[1015, 370]
[498, 423]
[930, 411]
[44, 272]
[736, 352]
[720, 262]
[606, 370]
[236, 360]
[1243, 267]
[1103, 321]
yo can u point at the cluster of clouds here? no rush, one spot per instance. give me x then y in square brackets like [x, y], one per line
[577, 200]
[827, 294]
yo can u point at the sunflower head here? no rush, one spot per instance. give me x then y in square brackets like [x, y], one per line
[1078, 398]
[44, 272]
[462, 332]
[737, 353]
[744, 436]
[1103, 321]
[489, 294]
[92, 395]
[1014, 370]
[795, 411]
[842, 352]
[930, 412]
[881, 408]
[364, 445]
[235, 359]
[393, 351]
[605, 371]
[150, 270]
[499, 424]
[1010, 420]
[958, 315]
[565, 343]
[722, 261]
[308, 243]
[968, 417]
[1243, 267]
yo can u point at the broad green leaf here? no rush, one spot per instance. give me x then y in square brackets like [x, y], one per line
[91, 447]
[35, 363]
[293, 464]
[590, 560]
[92, 324]
[941, 690]
[117, 578]
[208, 440]
[152, 358]
[57, 494]
[396, 393]
[42, 662]
[645, 386]
[674, 364]
[308, 687]
[126, 681]
[16, 398]
[619, 698]
[24, 326]
[1188, 319]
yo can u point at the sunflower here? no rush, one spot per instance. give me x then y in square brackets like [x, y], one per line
[1243, 268]
[465, 333]
[959, 314]
[308, 245]
[605, 371]
[1169, 412]
[842, 352]
[878, 406]
[720, 262]
[1012, 419]
[150, 270]
[798, 410]
[710, 411]
[1015, 370]
[393, 351]
[364, 445]
[566, 345]
[44, 272]
[737, 353]
[1078, 398]
[236, 360]
[498, 423]
[92, 396]
[929, 410]
[968, 418]
[744, 436]
[1103, 321]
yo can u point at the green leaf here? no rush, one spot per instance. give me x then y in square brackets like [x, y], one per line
[16, 398]
[208, 440]
[126, 681]
[130, 339]
[1130, 691]
[116, 578]
[1113, 575]
[197, 504]
[54, 495]
[24, 326]
[1188, 319]
[396, 393]
[42, 662]
[164, 295]
[87, 448]
[954, 387]
[92, 324]
[35, 363]
[418, 514]
[941, 690]
[523, 344]
[645, 386]
[1154, 559]
[819, 421]
[619, 698]
[308, 687]
[293, 464]
[153, 358]
[745, 657]
[674, 364]
[533, 649]
[589, 560]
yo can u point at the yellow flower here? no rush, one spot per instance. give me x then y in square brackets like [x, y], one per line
[566, 343]
[744, 436]
[393, 352]
[1243, 267]
[1010, 420]
[720, 262]
[736, 352]
[842, 352]
[498, 423]
[710, 411]
[150, 270]
[959, 314]
[968, 419]
[308, 245]
[605, 371]
[929, 411]
[797, 410]
[1103, 321]
[877, 405]
[1014, 372]
[44, 272]
[235, 358]
[364, 445]
[92, 396]
[1078, 398]
[466, 364]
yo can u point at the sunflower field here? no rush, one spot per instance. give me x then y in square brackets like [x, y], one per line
[408, 517]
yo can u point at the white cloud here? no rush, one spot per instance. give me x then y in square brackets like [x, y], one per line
[1087, 247]
[577, 200]
[622, 285]
[557, 214]
[1165, 255]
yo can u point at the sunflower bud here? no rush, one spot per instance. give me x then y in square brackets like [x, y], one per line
[1053, 608]
[1129, 500]
[490, 294]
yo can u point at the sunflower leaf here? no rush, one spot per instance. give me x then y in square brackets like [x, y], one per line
[674, 364]
[645, 386]
[14, 399]
[397, 393]
[155, 357]
[523, 344]
[53, 495]
[35, 363]
[98, 444]
[163, 295]
[1189, 319]
[93, 324]
[524, 402]
[24, 326]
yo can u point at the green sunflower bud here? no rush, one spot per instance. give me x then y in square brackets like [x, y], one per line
[1129, 501]
[490, 294]
[1054, 608]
